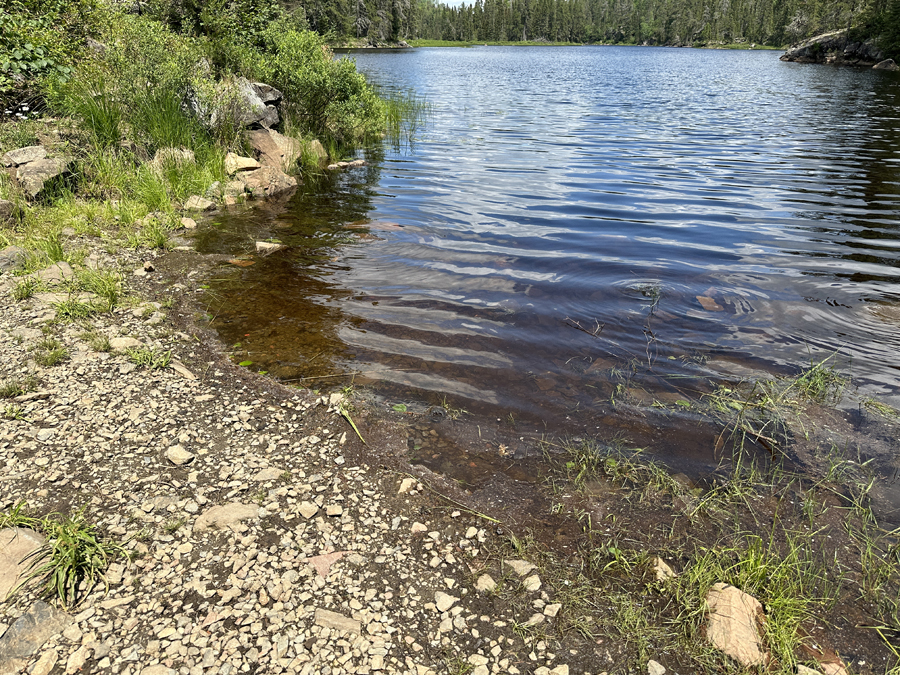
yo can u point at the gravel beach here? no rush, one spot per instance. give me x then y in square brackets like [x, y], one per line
[260, 537]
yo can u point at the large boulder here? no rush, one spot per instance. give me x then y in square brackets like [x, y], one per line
[32, 153]
[251, 109]
[267, 93]
[274, 149]
[836, 48]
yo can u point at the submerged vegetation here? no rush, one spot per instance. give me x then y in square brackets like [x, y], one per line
[807, 544]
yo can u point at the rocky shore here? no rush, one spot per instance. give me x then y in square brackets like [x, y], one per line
[839, 48]
[261, 538]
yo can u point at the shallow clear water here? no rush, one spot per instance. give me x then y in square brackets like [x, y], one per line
[570, 214]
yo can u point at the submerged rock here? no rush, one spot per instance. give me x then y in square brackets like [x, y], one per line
[265, 248]
[887, 64]
[268, 182]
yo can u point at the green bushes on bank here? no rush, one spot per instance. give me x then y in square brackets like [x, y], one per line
[161, 79]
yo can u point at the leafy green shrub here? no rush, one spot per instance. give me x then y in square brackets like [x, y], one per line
[40, 38]
[326, 96]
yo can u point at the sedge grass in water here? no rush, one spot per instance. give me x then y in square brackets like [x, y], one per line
[406, 115]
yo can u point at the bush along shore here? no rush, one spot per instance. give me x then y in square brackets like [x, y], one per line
[166, 511]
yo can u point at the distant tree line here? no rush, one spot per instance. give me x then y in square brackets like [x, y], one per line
[653, 22]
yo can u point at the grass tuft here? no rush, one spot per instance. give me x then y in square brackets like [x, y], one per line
[72, 559]
[16, 387]
[24, 289]
[149, 358]
[50, 352]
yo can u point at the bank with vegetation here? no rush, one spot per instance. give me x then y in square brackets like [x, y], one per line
[137, 111]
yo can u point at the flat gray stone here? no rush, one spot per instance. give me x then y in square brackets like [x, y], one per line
[662, 569]
[26, 333]
[225, 515]
[336, 621]
[12, 258]
[443, 601]
[178, 455]
[57, 273]
[268, 474]
[16, 543]
[308, 510]
[235, 163]
[520, 567]
[485, 583]
[198, 203]
[120, 344]
[29, 633]
[24, 155]
[732, 625]
[532, 584]
[35, 175]
[158, 669]
[6, 209]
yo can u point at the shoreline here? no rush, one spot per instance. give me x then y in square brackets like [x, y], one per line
[340, 553]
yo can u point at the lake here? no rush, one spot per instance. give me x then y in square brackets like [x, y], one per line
[579, 231]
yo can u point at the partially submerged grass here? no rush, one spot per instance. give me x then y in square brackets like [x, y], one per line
[766, 411]
[803, 546]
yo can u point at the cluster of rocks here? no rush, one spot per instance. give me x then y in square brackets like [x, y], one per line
[838, 48]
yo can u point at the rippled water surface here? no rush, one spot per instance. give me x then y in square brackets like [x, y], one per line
[568, 215]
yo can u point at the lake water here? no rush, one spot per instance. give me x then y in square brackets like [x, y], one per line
[578, 227]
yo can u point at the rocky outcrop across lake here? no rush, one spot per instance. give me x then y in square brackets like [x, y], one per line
[837, 48]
